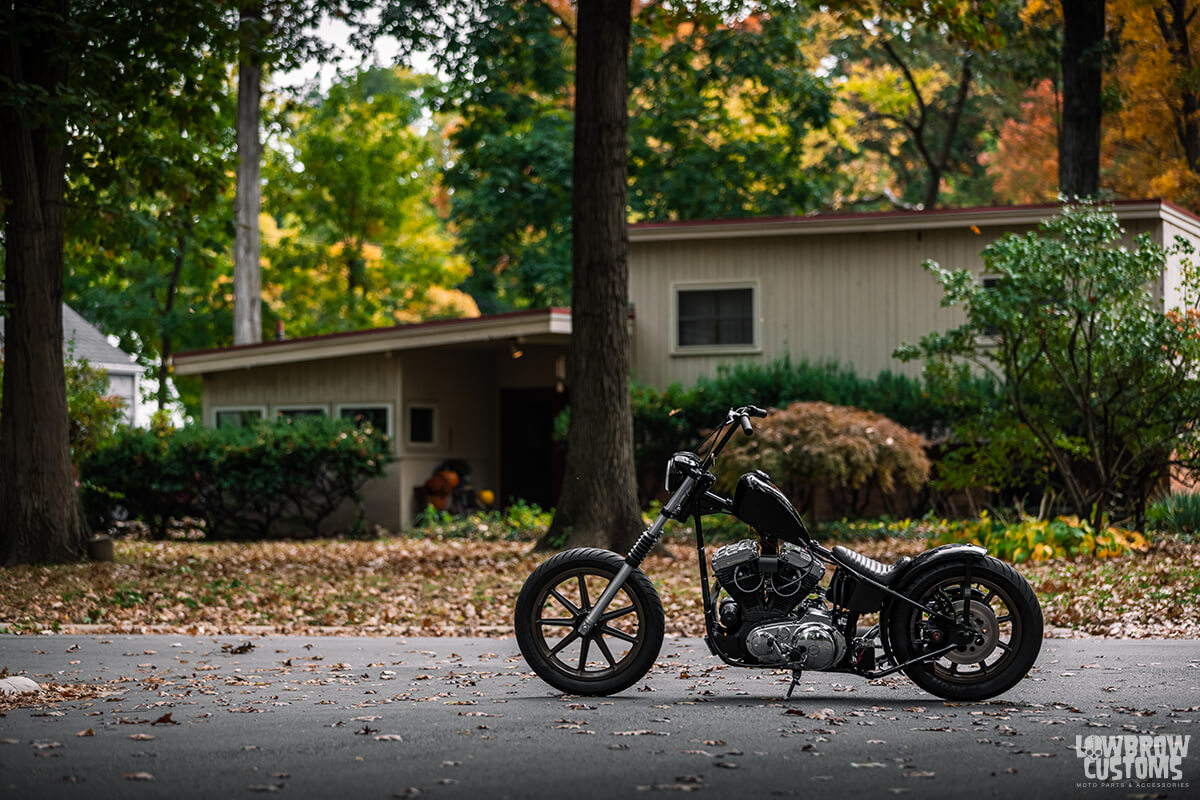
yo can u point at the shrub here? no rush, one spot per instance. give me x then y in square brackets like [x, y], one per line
[1177, 513]
[1037, 540]
[267, 480]
[817, 445]
[521, 521]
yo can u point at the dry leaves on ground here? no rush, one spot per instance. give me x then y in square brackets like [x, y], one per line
[462, 587]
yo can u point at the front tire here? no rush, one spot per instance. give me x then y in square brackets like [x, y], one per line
[1005, 618]
[554, 601]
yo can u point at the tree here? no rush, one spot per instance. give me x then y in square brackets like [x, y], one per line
[598, 505]
[1082, 80]
[353, 182]
[148, 226]
[271, 33]
[40, 518]
[719, 111]
[914, 99]
[1093, 369]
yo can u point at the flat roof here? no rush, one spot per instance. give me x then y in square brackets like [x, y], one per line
[884, 221]
[541, 322]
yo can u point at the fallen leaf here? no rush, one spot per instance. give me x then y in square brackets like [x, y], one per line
[138, 776]
[88, 732]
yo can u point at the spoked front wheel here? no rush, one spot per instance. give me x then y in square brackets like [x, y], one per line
[997, 631]
[554, 602]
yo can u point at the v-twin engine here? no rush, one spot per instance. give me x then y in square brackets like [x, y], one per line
[812, 642]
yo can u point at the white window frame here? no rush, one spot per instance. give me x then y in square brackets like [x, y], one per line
[716, 349]
[284, 408]
[408, 409]
[218, 410]
[388, 408]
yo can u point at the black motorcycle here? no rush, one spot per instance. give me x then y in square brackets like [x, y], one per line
[961, 624]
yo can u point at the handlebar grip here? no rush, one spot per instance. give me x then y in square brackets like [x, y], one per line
[746, 429]
[755, 411]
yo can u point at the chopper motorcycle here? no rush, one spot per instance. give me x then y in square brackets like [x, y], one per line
[961, 624]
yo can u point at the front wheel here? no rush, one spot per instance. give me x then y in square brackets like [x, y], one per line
[555, 600]
[997, 629]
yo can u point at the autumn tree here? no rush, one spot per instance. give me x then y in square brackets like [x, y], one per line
[358, 242]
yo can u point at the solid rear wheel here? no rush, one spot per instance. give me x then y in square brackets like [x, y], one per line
[1004, 620]
[555, 600]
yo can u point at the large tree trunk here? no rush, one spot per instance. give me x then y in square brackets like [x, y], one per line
[247, 276]
[598, 505]
[1082, 71]
[39, 509]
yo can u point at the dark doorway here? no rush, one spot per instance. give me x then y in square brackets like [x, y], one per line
[530, 461]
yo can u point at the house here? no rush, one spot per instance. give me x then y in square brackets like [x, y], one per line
[848, 288]
[84, 342]
[486, 390]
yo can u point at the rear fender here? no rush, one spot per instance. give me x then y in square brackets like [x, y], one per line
[960, 551]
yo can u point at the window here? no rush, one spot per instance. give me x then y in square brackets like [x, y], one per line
[238, 417]
[422, 424]
[295, 412]
[378, 415]
[715, 317]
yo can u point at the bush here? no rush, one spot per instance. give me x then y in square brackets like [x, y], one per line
[1177, 513]
[1038, 540]
[521, 521]
[807, 446]
[262, 481]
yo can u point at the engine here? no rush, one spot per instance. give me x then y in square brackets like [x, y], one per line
[761, 615]
[775, 584]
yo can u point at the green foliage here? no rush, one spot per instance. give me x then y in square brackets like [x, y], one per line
[674, 419]
[520, 522]
[807, 446]
[260, 481]
[1037, 540]
[1098, 384]
[717, 117]
[1177, 513]
[356, 241]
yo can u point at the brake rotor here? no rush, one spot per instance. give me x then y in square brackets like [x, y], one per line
[987, 634]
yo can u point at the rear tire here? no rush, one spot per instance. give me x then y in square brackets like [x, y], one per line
[1005, 616]
[554, 601]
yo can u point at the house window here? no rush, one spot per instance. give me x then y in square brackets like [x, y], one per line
[296, 412]
[378, 415]
[422, 424]
[715, 317]
[238, 417]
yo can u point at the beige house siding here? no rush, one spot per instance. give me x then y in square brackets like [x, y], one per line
[851, 296]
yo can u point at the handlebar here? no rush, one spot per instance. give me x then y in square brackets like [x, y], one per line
[746, 429]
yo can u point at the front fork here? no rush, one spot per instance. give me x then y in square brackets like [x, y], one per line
[637, 554]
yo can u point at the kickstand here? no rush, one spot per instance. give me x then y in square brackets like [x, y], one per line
[795, 683]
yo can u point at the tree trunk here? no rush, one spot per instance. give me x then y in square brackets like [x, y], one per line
[1082, 72]
[40, 519]
[247, 277]
[1174, 29]
[598, 505]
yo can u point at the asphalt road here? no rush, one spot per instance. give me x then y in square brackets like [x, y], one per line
[459, 718]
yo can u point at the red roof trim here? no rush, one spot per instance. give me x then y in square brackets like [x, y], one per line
[465, 321]
[938, 212]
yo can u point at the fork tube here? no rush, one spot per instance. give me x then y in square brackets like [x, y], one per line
[636, 555]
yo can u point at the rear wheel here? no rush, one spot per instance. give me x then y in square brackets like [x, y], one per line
[997, 638]
[554, 602]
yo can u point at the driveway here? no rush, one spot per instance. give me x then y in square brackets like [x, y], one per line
[458, 718]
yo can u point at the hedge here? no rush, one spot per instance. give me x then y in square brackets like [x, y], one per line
[281, 479]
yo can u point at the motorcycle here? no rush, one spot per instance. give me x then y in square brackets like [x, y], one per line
[961, 624]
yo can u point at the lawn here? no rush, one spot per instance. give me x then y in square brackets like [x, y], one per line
[467, 587]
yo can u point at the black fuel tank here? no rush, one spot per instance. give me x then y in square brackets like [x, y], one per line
[763, 507]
